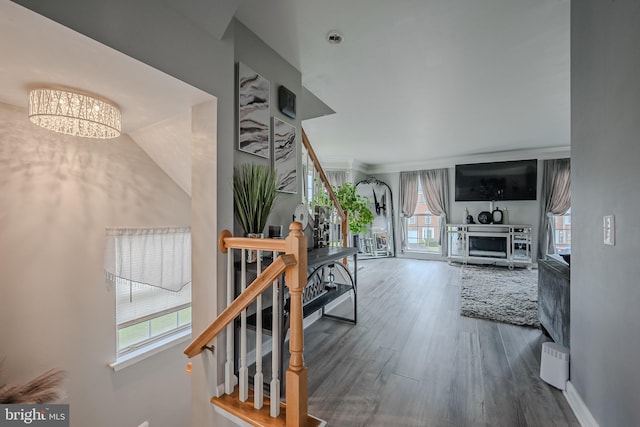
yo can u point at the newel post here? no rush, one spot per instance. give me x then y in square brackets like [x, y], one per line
[296, 376]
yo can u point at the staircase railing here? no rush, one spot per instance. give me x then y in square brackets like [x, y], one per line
[290, 258]
[341, 232]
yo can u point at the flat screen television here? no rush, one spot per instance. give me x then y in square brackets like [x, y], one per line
[515, 180]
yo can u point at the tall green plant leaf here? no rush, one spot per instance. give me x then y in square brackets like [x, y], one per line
[254, 192]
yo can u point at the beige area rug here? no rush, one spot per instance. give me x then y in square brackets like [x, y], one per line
[500, 294]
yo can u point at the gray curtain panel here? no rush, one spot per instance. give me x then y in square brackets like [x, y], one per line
[408, 198]
[435, 186]
[555, 200]
[336, 178]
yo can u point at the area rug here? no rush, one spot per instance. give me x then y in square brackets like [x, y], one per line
[500, 294]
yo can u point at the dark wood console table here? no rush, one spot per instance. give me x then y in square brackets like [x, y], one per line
[321, 289]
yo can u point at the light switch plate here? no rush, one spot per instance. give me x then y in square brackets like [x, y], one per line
[609, 229]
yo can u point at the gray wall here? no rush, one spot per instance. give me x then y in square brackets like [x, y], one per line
[58, 193]
[158, 35]
[253, 52]
[605, 296]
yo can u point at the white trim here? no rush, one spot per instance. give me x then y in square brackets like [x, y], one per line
[578, 407]
[372, 169]
[150, 350]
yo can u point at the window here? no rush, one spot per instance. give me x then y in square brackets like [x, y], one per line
[422, 230]
[562, 232]
[146, 314]
[150, 269]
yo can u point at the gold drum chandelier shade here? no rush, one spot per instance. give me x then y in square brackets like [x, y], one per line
[72, 113]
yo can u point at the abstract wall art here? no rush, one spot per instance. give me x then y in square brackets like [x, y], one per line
[285, 156]
[253, 112]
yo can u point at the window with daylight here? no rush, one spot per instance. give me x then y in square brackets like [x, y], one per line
[422, 230]
[150, 269]
[562, 232]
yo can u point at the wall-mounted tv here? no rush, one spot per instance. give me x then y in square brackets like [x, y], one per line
[515, 180]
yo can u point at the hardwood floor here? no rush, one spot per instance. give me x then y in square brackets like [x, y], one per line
[412, 360]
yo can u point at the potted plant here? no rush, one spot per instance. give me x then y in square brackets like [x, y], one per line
[360, 216]
[356, 206]
[254, 192]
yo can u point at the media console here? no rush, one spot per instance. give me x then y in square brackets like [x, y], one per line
[490, 243]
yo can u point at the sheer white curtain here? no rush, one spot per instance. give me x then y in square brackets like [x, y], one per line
[408, 199]
[435, 186]
[159, 257]
[555, 200]
[151, 271]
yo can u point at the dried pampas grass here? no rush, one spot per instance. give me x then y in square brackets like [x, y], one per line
[43, 389]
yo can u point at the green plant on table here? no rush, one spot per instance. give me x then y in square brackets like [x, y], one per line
[254, 192]
[356, 206]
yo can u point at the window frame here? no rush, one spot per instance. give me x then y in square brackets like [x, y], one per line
[564, 232]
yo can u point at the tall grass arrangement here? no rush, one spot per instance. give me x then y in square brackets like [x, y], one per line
[254, 192]
[42, 389]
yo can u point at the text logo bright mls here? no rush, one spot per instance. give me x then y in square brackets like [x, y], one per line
[34, 415]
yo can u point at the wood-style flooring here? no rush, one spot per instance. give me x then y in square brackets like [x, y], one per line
[412, 360]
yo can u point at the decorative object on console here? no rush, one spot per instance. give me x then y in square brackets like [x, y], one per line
[253, 112]
[70, 112]
[484, 217]
[302, 215]
[494, 293]
[321, 227]
[497, 216]
[275, 231]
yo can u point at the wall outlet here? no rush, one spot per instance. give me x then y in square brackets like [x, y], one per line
[609, 229]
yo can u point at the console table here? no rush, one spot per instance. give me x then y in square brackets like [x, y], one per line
[497, 243]
[327, 280]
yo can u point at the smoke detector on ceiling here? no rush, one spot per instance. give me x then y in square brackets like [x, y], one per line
[334, 37]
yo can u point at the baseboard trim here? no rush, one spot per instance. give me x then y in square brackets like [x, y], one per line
[578, 407]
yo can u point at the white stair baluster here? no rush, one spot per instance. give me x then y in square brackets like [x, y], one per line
[274, 387]
[244, 370]
[258, 388]
[229, 377]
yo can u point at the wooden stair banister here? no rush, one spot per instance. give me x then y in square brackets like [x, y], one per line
[232, 311]
[293, 263]
[327, 186]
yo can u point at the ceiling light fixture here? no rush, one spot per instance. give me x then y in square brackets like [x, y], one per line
[72, 113]
[334, 37]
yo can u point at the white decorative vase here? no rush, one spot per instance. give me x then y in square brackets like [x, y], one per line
[252, 255]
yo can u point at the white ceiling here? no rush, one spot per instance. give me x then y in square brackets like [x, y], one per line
[416, 81]
[413, 83]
